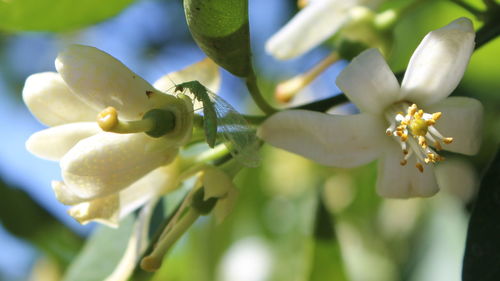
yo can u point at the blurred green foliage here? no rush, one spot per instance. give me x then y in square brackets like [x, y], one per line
[26, 219]
[56, 15]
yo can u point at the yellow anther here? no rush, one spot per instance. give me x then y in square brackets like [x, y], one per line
[302, 3]
[447, 140]
[430, 122]
[419, 167]
[107, 119]
[436, 116]
[412, 109]
[404, 137]
[431, 157]
[422, 142]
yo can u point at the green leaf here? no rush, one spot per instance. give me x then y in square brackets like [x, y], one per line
[482, 260]
[56, 15]
[26, 219]
[327, 260]
[102, 253]
[221, 29]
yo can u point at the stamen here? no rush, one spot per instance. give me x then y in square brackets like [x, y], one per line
[416, 128]
[419, 167]
[436, 116]
[389, 131]
[286, 90]
[437, 145]
[302, 3]
[447, 140]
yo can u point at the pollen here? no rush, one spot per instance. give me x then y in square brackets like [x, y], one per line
[416, 133]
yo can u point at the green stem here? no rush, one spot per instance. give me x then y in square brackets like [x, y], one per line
[154, 260]
[213, 154]
[491, 28]
[468, 7]
[253, 88]
[255, 120]
[491, 4]
[324, 104]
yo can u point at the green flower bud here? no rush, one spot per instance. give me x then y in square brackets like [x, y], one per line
[221, 30]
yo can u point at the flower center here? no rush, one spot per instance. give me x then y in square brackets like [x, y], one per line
[415, 132]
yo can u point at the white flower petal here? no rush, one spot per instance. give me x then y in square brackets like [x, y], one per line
[439, 62]
[104, 210]
[396, 181]
[333, 140]
[225, 205]
[458, 178]
[311, 26]
[106, 163]
[369, 82]
[159, 181]
[205, 71]
[65, 195]
[461, 119]
[101, 81]
[52, 102]
[112, 208]
[54, 142]
[216, 183]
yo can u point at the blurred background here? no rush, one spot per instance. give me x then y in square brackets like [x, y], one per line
[269, 236]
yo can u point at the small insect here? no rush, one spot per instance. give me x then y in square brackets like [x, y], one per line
[221, 119]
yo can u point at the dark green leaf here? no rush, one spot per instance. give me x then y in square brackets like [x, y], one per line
[482, 258]
[327, 260]
[26, 219]
[101, 253]
[56, 15]
[220, 28]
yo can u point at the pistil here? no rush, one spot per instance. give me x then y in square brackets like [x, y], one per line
[155, 123]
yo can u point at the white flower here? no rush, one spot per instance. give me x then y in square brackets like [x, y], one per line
[315, 23]
[391, 125]
[218, 184]
[106, 175]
